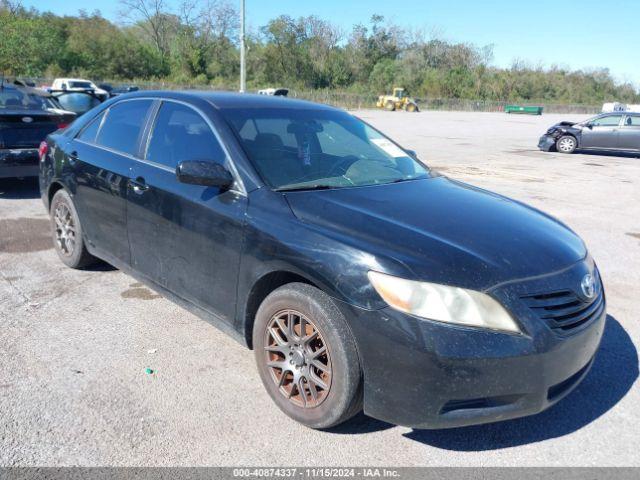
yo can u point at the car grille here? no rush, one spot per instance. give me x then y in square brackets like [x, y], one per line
[565, 311]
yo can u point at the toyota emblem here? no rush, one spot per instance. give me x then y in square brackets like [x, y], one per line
[588, 286]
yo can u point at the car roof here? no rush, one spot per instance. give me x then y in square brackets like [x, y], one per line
[67, 79]
[232, 100]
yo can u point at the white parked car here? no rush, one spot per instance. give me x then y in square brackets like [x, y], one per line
[279, 92]
[613, 107]
[79, 85]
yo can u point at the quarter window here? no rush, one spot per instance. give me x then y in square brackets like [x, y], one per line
[90, 131]
[180, 133]
[123, 125]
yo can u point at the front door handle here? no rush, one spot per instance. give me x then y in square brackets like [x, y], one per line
[138, 185]
[73, 157]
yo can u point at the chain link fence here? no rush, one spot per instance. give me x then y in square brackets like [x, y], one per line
[356, 101]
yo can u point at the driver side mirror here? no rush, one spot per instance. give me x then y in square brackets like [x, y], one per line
[589, 126]
[411, 153]
[200, 172]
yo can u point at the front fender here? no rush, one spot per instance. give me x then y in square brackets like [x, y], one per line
[276, 241]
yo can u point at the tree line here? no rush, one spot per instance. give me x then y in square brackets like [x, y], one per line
[196, 43]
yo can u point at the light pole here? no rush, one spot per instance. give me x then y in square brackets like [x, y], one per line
[243, 66]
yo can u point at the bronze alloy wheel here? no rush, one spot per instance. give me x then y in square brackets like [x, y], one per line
[298, 358]
[65, 229]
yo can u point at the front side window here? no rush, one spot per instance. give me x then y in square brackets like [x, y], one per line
[300, 149]
[607, 121]
[179, 134]
[123, 126]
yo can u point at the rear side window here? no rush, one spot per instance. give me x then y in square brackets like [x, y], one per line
[123, 125]
[180, 133]
[90, 131]
[633, 121]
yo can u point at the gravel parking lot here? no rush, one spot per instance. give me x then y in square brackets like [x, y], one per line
[74, 345]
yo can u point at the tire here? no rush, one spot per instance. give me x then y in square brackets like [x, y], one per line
[292, 306]
[566, 144]
[390, 106]
[412, 107]
[66, 230]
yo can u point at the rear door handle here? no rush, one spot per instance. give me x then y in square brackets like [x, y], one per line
[138, 185]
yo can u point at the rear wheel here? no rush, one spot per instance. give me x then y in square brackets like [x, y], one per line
[67, 232]
[306, 356]
[390, 106]
[566, 144]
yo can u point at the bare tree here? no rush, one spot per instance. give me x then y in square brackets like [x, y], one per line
[11, 6]
[154, 18]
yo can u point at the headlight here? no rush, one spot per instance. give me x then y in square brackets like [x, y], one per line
[551, 131]
[443, 303]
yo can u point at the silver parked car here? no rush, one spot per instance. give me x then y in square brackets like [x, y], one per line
[607, 131]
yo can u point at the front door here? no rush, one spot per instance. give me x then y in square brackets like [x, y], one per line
[186, 238]
[629, 135]
[101, 157]
[602, 132]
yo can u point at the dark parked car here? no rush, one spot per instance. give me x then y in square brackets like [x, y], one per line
[77, 101]
[608, 131]
[360, 277]
[27, 116]
[114, 91]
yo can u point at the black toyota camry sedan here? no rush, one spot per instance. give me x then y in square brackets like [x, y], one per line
[361, 278]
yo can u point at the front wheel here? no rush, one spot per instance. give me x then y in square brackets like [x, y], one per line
[566, 144]
[390, 106]
[306, 356]
[412, 107]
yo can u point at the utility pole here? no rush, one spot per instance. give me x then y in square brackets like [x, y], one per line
[243, 66]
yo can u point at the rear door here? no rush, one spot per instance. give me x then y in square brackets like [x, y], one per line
[101, 158]
[186, 238]
[602, 132]
[629, 135]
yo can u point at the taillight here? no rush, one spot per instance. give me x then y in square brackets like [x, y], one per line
[63, 125]
[42, 150]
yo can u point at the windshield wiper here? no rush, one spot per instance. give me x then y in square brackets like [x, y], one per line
[305, 187]
[400, 180]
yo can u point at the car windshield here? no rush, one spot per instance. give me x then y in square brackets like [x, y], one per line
[80, 85]
[298, 149]
[13, 98]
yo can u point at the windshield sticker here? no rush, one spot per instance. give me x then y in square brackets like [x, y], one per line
[388, 147]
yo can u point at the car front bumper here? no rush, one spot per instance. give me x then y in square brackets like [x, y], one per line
[546, 143]
[22, 162]
[424, 374]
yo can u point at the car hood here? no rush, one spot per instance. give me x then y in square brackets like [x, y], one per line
[442, 231]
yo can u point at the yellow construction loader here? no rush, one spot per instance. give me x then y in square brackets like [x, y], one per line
[398, 100]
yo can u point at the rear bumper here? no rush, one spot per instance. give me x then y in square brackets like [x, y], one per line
[21, 162]
[425, 374]
[546, 143]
